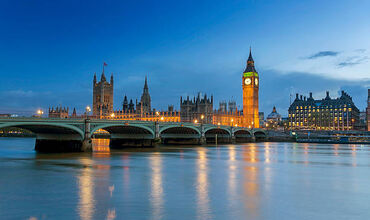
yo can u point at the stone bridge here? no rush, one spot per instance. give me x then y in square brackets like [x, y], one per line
[56, 135]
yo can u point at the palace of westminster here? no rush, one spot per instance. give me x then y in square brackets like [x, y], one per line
[325, 114]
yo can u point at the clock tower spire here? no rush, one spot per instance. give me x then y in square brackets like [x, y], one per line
[250, 84]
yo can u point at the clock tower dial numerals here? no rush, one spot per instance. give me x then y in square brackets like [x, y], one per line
[247, 81]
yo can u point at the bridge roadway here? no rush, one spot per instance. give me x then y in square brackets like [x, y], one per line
[66, 135]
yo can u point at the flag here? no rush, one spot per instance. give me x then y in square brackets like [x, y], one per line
[105, 64]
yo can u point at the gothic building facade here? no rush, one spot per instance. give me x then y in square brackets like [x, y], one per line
[102, 96]
[144, 106]
[323, 114]
[142, 110]
[198, 109]
[58, 112]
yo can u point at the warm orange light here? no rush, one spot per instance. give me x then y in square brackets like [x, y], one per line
[40, 112]
[112, 115]
[162, 118]
[157, 113]
[202, 116]
[232, 120]
[88, 109]
[195, 121]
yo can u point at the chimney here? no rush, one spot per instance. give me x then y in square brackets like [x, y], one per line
[301, 97]
[311, 95]
[296, 95]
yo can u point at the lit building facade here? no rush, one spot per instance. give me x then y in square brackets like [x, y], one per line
[143, 110]
[102, 96]
[325, 114]
[58, 112]
[368, 110]
[198, 109]
[273, 119]
[250, 84]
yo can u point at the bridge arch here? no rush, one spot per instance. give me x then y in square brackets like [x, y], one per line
[141, 130]
[218, 130]
[175, 134]
[243, 135]
[217, 135]
[260, 135]
[173, 128]
[48, 128]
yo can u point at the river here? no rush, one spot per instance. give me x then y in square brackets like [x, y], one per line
[243, 181]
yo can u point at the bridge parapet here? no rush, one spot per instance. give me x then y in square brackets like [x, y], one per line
[81, 130]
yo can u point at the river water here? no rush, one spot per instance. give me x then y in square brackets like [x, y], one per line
[246, 181]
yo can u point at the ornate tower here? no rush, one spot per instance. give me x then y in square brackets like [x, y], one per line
[145, 101]
[102, 95]
[250, 86]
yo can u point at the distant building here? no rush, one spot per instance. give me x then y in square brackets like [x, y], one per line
[58, 112]
[261, 117]
[232, 106]
[361, 125]
[143, 110]
[102, 96]
[199, 108]
[5, 115]
[144, 106]
[273, 119]
[368, 110]
[325, 114]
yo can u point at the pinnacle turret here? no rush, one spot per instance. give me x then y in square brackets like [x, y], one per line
[250, 63]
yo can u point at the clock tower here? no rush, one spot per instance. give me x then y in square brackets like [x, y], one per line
[250, 86]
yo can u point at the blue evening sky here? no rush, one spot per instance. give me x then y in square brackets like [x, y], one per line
[49, 50]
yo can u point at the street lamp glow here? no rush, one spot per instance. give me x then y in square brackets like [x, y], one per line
[157, 113]
[202, 116]
[40, 112]
[88, 109]
[112, 115]
[162, 118]
[195, 121]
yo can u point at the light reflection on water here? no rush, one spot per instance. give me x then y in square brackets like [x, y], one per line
[156, 192]
[86, 204]
[203, 208]
[250, 181]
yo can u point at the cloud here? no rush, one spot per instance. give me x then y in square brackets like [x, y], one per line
[350, 65]
[327, 53]
[351, 61]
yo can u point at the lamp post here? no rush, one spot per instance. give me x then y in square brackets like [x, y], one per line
[88, 110]
[112, 115]
[40, 112]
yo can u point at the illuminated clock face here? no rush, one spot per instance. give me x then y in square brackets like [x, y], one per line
[256, 81]
[247, 81]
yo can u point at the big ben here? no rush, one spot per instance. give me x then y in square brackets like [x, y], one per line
[250, 86]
